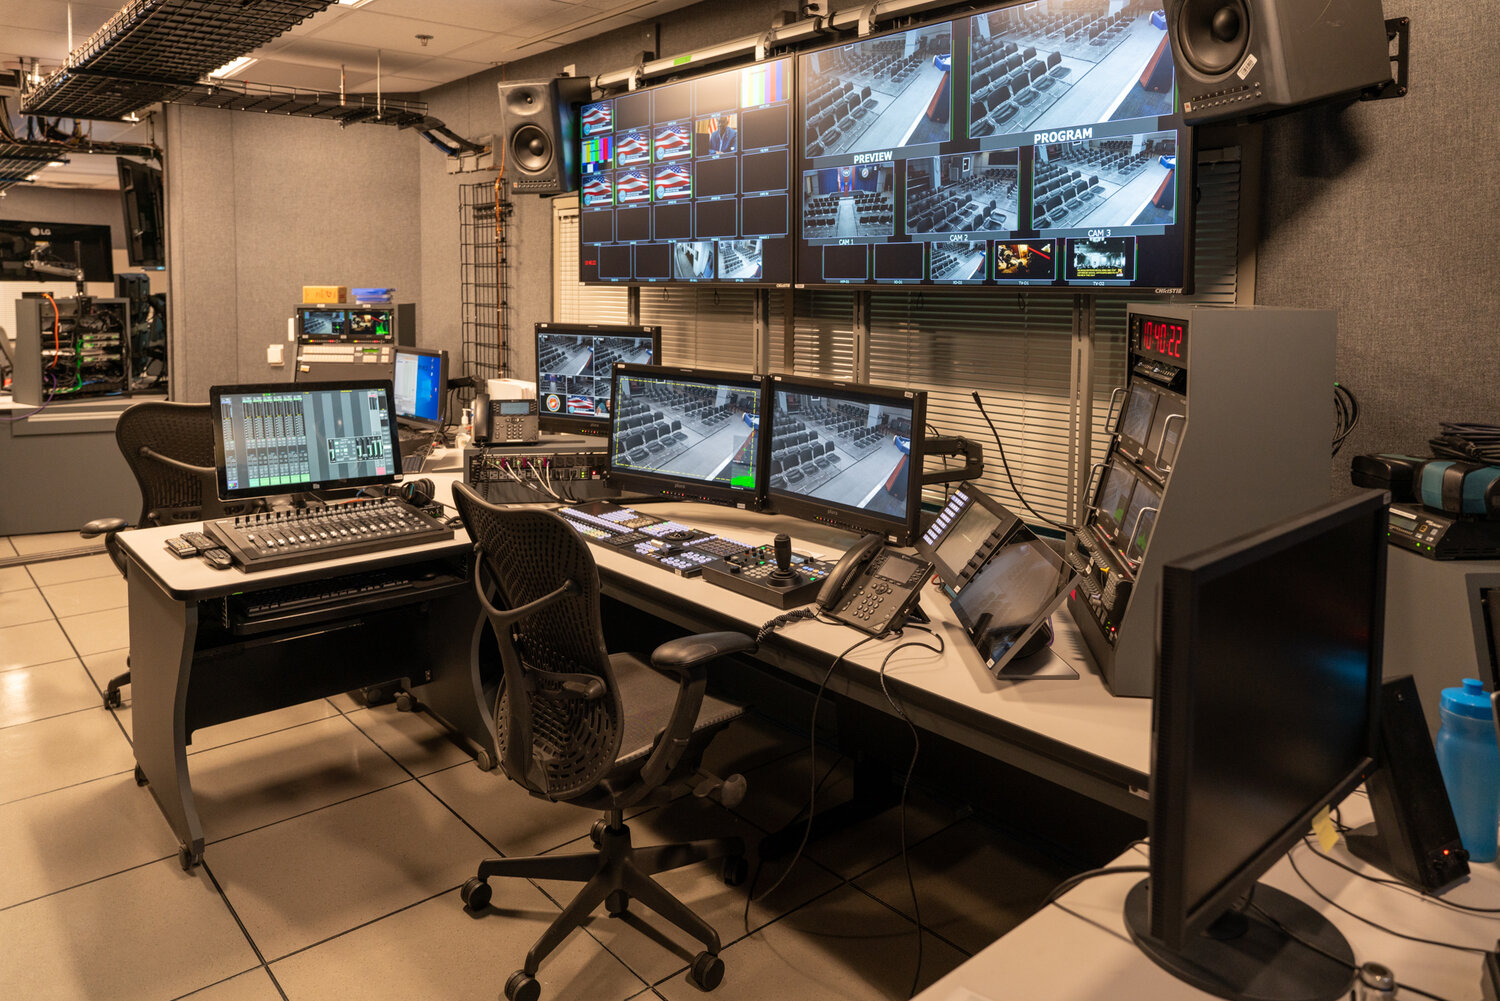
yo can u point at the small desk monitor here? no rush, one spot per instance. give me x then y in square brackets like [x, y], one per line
[847, 454]
[574, 367]
[421, 387]
[681, 432]
[1267, 695]
[281, 438]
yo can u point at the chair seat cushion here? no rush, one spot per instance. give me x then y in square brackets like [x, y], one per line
[648, 697]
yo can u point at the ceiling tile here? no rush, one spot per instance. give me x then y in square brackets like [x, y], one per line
[486, 15]
[285, 73]
[397, 33]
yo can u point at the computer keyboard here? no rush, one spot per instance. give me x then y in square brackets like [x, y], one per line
[288, 538]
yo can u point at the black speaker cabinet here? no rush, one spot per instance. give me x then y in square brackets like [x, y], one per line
[1414, 836]
[539, 132]
[1238, 58]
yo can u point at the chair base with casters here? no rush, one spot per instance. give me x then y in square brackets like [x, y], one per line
[613, 875]
[578, 724]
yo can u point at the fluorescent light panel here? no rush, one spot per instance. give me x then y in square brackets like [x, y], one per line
[230, 68]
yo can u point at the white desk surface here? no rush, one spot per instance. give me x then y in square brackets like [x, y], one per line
[1079, 949]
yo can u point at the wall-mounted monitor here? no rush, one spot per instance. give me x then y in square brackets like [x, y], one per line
[847, 454]
[690, 181]
[690, 434]
[575, 367]
[1034, 146]
[144, 204]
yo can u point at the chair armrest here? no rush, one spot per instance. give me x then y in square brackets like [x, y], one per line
[155, 456]
[681, 655]
[103, 526]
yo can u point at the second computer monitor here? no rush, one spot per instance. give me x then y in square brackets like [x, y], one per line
[847, 454]
[574, 366]
[688, 433]
[421, 386]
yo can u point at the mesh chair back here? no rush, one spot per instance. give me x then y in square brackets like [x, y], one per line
[528, 555]
[182, 431]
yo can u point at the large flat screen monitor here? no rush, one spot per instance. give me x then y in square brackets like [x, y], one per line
[281, 438]
[421, 386]
[690, 181]
[680, 432]
[1267, 691]
[1033, 146]
[847, 454]
[574, 367]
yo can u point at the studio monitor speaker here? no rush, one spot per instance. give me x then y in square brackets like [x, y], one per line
[1238, 58]
[540, 153]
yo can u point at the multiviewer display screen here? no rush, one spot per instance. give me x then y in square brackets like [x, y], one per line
[419, 389]
[844, 450]
[1034, 145]
[574, 368]
[690, 181]
[688, 429]
[289, 439]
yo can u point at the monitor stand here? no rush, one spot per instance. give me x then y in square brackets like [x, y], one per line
[1260, 953]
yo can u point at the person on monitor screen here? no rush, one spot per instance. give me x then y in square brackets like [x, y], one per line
[723, 138]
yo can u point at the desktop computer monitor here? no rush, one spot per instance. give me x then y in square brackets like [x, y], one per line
[847, 454]
[421, 387]
[281, 438]
[681, 432]
[574, 365]
[1267, 690]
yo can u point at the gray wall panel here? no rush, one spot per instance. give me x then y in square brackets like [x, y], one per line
[1386, 211]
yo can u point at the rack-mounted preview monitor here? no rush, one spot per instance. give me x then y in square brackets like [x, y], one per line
[847, 454]
[421, 387]
[280, 438]
[681, 432]
[1032, 146]
[690, 181]
[1265, 712]
[575, 367]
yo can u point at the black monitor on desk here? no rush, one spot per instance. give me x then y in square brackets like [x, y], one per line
[575, 365]
[421, 387]
[282, 438]
[847, 454]
[689, 434]
[1267, 694]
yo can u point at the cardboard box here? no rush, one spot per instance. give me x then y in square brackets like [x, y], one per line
[324, 293]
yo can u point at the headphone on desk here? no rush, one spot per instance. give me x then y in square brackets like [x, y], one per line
[418, 493]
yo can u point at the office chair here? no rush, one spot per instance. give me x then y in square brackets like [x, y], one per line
[170, 449]
[580, 725]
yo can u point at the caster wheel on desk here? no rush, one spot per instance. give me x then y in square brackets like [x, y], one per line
[522, 987]
[707, 971]
[617, 903]
[111, 698]
[475, 893]
[140, 776]
[736, 869]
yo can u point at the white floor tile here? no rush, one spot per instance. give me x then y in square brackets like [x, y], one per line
[154, 931]
[237, 730]
[108, 664]
[19, 607]
[306, 879]
[62, 751]
[94, 594]
[506, 814]
[6, 549]
[254, 985]
[97, 631]
[14, 578]
[419, 742]
[33, 643]
[32, 693]
[71, 836]
[51, 542]
[78, 568]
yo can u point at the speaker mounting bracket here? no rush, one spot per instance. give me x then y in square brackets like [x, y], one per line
[1398, 30]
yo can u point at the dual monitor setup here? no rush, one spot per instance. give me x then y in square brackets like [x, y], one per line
[1033, 146]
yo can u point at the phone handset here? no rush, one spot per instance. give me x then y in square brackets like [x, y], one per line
[848, 570]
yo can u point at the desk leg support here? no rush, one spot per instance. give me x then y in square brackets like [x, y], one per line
[162, 633]
[454, 632]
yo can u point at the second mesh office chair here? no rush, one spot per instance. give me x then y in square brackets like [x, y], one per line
[170, 449]
[580, 725]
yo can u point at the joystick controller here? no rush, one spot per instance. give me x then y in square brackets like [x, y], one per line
[783, 575]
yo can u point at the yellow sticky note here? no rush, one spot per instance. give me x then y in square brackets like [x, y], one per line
[1322, 825]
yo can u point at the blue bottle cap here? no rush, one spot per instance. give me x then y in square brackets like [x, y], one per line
[1469, 701]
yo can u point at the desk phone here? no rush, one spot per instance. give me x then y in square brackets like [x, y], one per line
[873, 589]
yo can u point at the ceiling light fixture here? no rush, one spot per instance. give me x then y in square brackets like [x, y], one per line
[353, 3]
[230, 68]
[57, 163]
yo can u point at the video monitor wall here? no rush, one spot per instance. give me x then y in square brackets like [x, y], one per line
[690, 181]
[1034, 145]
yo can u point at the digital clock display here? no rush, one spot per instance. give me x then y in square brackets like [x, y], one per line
[1163, 338]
